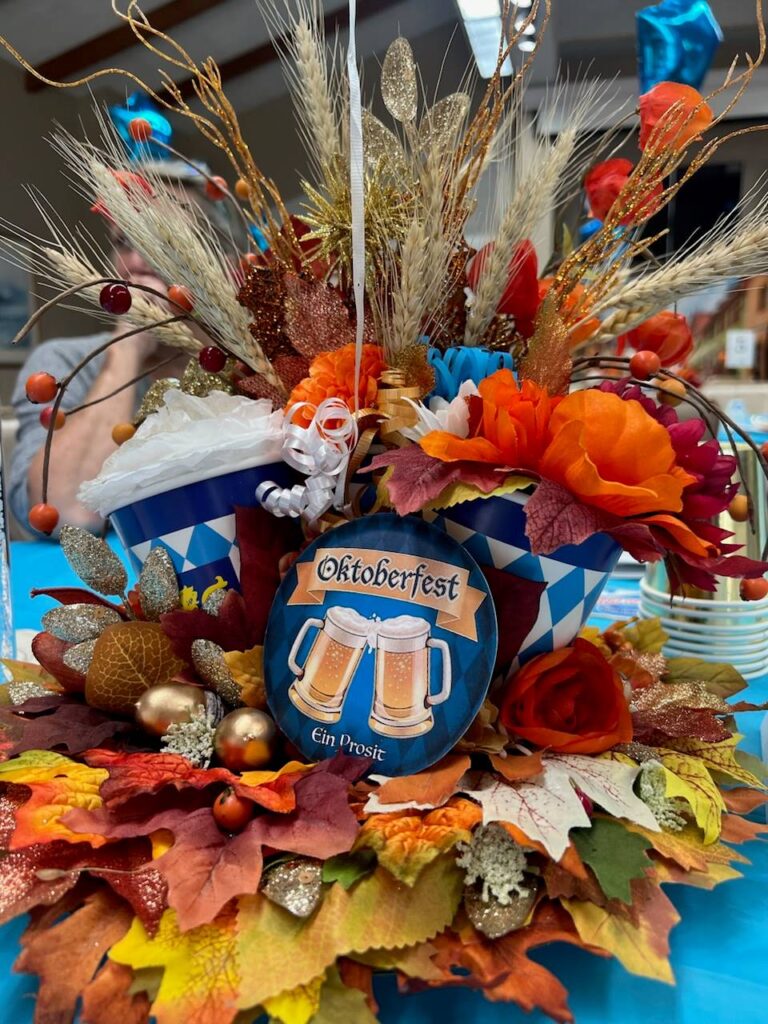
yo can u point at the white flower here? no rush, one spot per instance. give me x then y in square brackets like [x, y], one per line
[495, 859]
[451, 416]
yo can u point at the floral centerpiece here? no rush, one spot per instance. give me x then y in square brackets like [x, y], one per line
[156, 822]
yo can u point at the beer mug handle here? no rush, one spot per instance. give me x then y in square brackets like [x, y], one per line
[293, 665]
[445, 690]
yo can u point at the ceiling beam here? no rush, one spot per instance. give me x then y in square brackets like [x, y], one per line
[108, 44]
[265, 53]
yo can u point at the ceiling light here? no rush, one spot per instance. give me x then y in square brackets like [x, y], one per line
[484, 35]
[470, 9]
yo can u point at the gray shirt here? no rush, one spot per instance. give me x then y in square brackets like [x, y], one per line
[59, 358]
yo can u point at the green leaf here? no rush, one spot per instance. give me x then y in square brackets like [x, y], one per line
[347, 868]
[615, 855]
[646, 635]
[753, 764]
[340, 1003]
[721, 679]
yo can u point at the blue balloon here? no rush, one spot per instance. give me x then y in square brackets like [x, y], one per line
[676, 42]
[140, 105]
[461, 363]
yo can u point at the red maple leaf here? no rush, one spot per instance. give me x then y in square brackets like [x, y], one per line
[49, 652]
[63, 723]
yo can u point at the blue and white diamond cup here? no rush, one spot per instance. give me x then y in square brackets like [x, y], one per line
[493, 531]
[184, 472]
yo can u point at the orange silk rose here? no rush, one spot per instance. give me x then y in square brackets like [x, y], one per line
[612, 454]
[686, 122]
[512, 428]
[332, 375]
[570, 701]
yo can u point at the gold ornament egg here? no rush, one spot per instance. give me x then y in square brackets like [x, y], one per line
[167, 704]
[245, 739]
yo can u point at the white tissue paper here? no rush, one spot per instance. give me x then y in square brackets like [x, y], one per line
[187, 440]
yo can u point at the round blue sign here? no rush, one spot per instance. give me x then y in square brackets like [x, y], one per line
[381, 643]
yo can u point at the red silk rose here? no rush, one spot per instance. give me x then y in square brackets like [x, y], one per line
[521, 294]
[667, 334]
[690, 118]
[570, 701]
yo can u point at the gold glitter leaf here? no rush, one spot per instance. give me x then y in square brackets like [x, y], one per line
[380, 145]
[548, 360]
[442, 122]
[398, 81]
[77, 622]
[94, 561]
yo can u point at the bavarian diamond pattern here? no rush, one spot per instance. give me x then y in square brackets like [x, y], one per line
[566, 603]
[197, 546]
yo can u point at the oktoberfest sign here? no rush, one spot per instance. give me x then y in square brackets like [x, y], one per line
[381, 643]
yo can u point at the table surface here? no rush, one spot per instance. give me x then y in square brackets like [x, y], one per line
[719, 949]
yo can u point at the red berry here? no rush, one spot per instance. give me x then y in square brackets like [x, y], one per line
[43, 518]
[41, 387]
[232, 812]
[212, 359]
[644, 365]
[140, 129]
[753, 590]
[115, 298]
[122, 432]
[46, 415]
[182, 297]
[216, 188]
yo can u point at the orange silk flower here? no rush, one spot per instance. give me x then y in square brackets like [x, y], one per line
[513, 428]
[332, 375]
[690, 118]
[612, 454]
[571, 701]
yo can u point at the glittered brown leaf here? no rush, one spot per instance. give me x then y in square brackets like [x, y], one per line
[129, 658]
[262, 294]
[316, 318]
[548, 360]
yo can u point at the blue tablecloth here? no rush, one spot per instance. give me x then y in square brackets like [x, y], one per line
[719, 950]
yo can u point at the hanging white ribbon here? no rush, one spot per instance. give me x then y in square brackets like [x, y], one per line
[321, 451]
[357, 192]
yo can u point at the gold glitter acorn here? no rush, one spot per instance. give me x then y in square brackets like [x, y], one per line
[296, 885]
[245, 739]
[494, 918]
[94, 561]
[168, 704]
[78, 622]
[158, 586]
[209, 663]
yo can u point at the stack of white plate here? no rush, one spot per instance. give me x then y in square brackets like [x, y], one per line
[714, 629]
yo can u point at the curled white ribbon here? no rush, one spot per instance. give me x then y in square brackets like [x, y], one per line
[321, 452]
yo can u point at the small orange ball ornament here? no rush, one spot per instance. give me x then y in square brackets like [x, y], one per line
[738, 509]
[242, 189]
[644, 364]
[41, 387]
[753, 590]
[182, 297]
[122, 432]
[232, 812]
[670, 391]
[46, 416]
[140, 129]
[216, 188]
[43, 518]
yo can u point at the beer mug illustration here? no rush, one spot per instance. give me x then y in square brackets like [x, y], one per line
[402, 702]
[321, 684]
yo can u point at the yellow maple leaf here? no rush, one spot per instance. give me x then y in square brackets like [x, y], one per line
[379, 912]
[299, 1005]
[688, 849]
[641, 948]
[406, 842]
[57, 785]
[262, 778]
[458, 492]
[200, 968]
[247, 668]
[718, 757]
[687, 777]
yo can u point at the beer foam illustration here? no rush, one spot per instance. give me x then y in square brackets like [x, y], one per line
[349, 619]
[403, 627]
